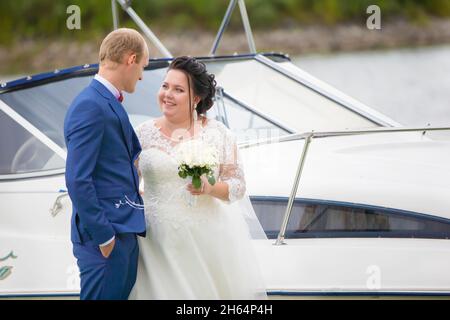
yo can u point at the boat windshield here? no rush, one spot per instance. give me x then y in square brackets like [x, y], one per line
[22, 152]
[284, 99]
[45, 106]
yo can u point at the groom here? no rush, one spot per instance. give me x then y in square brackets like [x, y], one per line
[100, 174]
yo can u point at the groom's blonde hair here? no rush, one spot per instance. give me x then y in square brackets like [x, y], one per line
[120, 42]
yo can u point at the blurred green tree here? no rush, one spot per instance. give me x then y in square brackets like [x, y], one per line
[47, 18]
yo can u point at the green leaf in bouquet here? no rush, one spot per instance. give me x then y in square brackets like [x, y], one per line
[211, 179]
[182, 174]
[196, 182]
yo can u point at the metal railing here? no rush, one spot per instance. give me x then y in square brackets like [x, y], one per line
[221, 94]
[226, 21]
[126, 6]
[308, 136]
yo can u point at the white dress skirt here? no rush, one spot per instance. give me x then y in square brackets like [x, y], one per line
[193, 250]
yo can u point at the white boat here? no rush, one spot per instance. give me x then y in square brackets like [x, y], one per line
[353, 203]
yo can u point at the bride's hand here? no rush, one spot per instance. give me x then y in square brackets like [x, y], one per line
[205, 188]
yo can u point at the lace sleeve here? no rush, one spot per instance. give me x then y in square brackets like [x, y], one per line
[138, 131]
[231, 169]
[139, 135]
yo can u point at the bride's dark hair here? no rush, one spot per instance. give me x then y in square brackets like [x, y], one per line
[203, 83]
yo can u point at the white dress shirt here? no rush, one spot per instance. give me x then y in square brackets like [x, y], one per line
[108, 85]
[116, 94]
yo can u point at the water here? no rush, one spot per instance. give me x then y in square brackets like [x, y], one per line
[412, 86]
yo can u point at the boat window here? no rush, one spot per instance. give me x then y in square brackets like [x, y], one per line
[22, 152]
[284, 99]
[246, 124]
[322, 220]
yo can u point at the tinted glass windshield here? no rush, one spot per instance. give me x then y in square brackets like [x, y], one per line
[284, 99]
[45, 106]
[23, 152]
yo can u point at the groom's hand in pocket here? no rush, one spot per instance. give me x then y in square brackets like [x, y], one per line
[106, 250]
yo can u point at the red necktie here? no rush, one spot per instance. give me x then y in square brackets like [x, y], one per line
[120, 98]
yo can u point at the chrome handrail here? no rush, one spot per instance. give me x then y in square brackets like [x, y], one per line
[115, 14]
[247, 28]
[221, 106]
[223, 26]
[126, 6]
[226, 21]
[287, 215]
[325, 134]
[308, 136]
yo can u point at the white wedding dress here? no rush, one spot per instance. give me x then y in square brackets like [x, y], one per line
[198, 251]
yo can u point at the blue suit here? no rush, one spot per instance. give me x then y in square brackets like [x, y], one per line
[103, 185]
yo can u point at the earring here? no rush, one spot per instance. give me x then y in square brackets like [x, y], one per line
[195, 113]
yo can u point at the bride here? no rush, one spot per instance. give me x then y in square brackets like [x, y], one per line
[200, 249]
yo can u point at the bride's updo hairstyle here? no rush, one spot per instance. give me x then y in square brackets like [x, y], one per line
[199, 79]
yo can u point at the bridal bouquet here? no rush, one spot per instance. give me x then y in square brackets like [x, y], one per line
[195, 158]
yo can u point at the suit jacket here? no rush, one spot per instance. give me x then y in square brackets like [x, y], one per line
[100, 174]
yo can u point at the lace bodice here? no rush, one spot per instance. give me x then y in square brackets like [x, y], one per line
[159, 169]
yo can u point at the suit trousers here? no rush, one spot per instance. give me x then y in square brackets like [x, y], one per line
[109, 278]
